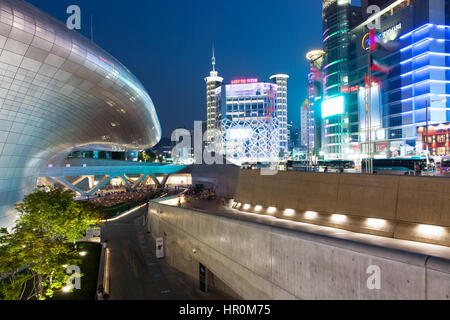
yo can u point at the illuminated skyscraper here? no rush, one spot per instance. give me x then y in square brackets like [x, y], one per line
[304, 124]
[339, 16]
[314, 101]
[415, 92]
[249, 121]
[212, 113]
[281, 109]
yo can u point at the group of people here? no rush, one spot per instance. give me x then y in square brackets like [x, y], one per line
[114, 198]
[194, 194]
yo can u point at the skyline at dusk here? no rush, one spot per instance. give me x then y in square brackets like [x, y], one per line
[224, 159]
[168, 46]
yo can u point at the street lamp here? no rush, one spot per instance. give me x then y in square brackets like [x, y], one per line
[426, 130]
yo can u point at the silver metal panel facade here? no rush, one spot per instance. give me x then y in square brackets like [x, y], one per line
[59, 91]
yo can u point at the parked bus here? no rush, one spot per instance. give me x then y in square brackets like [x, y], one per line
[336, 165]
[247, 166]
[400, 166]
[445, 166]
[300, 165]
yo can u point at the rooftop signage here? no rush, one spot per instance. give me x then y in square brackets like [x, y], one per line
[387, 35]
[244, 81]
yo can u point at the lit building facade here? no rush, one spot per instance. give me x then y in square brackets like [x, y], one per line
[282, 109]
[438, 137]
[338, 18]
[212, 109]
[306, 126]
[315, 95]
[249, 121]
[293, 136]
[415, 93]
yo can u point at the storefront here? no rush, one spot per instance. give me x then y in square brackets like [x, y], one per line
[438, 139]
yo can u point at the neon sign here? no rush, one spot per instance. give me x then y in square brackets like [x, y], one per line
[244, 81]
[388, 35]
[391, 32]
[349, 89]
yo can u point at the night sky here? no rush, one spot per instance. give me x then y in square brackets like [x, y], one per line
[167, 45]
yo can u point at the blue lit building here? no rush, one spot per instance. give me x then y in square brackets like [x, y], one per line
[425, 67]
[417, 85]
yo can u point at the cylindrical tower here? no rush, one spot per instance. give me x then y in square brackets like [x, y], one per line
[212, 109]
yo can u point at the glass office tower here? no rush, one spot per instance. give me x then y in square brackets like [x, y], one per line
[415, 93]
[339, 16]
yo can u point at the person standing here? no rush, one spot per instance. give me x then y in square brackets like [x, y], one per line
[99, 295]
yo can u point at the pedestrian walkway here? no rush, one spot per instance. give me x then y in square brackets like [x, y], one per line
[136, 273]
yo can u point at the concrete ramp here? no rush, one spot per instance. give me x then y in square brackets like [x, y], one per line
[268, 261]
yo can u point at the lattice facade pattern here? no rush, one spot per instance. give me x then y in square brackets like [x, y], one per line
[251, 140]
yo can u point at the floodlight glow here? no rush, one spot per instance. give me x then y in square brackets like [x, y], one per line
[310, 215]
[83, 253]
[66, 289]
[333, 107]
[339, 218]
[246, 206]
[289, 212]
[271, 210]
[428, 230]
[258, 208]
[376, 223]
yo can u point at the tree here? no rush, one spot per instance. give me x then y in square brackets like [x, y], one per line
[44, 241]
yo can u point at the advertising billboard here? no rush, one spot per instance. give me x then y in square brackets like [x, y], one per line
[375, 106]
[249, 89]
[333, 107]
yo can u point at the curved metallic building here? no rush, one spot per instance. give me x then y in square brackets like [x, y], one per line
[58, 92]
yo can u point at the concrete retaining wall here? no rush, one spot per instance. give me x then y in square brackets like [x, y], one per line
[403, 202]
[259, 261]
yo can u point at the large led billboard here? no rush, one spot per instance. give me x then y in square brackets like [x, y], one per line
[333, 107]
[250, 89]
